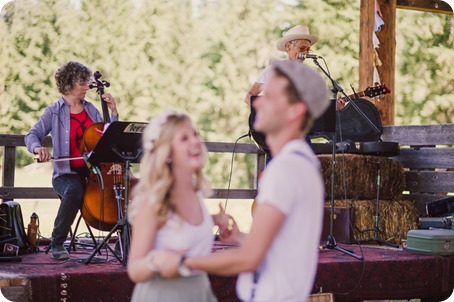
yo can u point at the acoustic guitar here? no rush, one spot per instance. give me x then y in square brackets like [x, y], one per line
[377, 91]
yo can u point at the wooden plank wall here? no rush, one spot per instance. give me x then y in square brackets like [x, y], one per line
[427, 154]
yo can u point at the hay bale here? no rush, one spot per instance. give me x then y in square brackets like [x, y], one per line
[360, 177]
[396, 218]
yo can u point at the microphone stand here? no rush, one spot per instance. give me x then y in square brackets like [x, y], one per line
[331, 242]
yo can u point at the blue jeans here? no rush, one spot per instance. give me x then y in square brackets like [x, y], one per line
[70, 188]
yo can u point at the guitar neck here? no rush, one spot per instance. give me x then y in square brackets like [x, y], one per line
[355, 95]
[105, 111]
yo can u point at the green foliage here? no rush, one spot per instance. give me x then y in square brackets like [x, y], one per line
[202, 56]
[425, 78]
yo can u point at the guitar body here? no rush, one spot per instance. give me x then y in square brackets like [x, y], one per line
[259, 137]
[353, 126]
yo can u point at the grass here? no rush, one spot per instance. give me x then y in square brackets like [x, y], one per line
[40, 175]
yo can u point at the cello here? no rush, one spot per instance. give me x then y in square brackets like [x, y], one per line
[105, 184]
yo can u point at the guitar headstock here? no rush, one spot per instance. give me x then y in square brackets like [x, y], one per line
[377, 91]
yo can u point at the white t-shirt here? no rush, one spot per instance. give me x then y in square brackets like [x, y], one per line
[292, 183]
[265, 74]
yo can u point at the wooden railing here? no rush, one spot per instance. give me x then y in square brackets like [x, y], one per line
[9, 191]
[427, 154]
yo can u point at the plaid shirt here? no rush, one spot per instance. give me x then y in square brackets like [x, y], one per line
[56, 120]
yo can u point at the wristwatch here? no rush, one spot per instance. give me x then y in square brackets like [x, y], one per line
[183, 269]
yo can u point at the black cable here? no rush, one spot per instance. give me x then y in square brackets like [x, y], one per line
[231, 172]
[231, 169]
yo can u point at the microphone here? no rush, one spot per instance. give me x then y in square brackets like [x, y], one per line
[303, 56]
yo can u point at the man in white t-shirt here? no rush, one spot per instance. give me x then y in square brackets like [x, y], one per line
[297, 41]
[277, 260]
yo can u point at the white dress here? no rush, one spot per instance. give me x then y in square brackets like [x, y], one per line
[195, 241]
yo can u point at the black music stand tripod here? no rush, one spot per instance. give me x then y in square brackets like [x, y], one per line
[121, 142]
[331, 241]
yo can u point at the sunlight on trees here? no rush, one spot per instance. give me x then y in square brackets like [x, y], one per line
[202, 56]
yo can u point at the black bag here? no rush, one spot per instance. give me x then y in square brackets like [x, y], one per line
[442, 207]
[12, 227]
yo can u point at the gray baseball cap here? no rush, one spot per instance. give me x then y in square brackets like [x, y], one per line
[309, 84]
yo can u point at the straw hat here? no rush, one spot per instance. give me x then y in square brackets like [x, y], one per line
[299, 32]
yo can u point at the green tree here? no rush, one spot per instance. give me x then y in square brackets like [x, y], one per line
[424, 77]
[202, 56]
[30, 64]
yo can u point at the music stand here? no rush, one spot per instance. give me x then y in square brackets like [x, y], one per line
[120, 142]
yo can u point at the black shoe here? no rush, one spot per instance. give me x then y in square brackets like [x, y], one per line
[59, 253]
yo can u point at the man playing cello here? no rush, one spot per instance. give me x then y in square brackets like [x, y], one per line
[66, 121]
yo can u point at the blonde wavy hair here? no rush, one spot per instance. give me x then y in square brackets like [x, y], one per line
[156, 178]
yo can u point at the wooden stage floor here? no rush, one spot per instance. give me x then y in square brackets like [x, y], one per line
[386, 273]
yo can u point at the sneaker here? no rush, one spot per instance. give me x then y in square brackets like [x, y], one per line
[59, 253]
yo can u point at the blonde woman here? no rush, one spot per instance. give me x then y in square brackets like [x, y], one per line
[168, 211]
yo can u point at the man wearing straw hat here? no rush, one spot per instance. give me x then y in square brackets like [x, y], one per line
[296, 41]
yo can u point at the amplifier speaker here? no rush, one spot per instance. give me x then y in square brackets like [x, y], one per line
[12, 226]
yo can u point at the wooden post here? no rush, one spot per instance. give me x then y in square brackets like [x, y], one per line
[386, 52]
[433, 6]
[366, 48]
[9, 166]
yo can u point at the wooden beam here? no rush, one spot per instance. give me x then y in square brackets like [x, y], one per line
[420, 135]
[433, 6]
[9, 166]
[387, 55]
[429, 181]
[426, 158]
[9, 193]
[366, 47]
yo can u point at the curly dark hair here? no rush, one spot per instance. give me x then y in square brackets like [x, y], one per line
[69, 74]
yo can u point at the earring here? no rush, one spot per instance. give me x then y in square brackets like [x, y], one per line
[169, 161]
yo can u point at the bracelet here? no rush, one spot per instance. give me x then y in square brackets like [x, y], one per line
[149, 262]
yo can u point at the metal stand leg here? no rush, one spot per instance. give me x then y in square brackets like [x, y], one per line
[376, 228]
[331, 242]
[122, 225]
[73, 235]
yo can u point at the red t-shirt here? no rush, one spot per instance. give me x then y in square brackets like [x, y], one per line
[79, 122]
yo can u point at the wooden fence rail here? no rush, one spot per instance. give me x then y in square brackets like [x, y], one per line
[9, 191]
[427, 154]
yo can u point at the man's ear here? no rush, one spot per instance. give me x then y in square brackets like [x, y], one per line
[298, 110]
